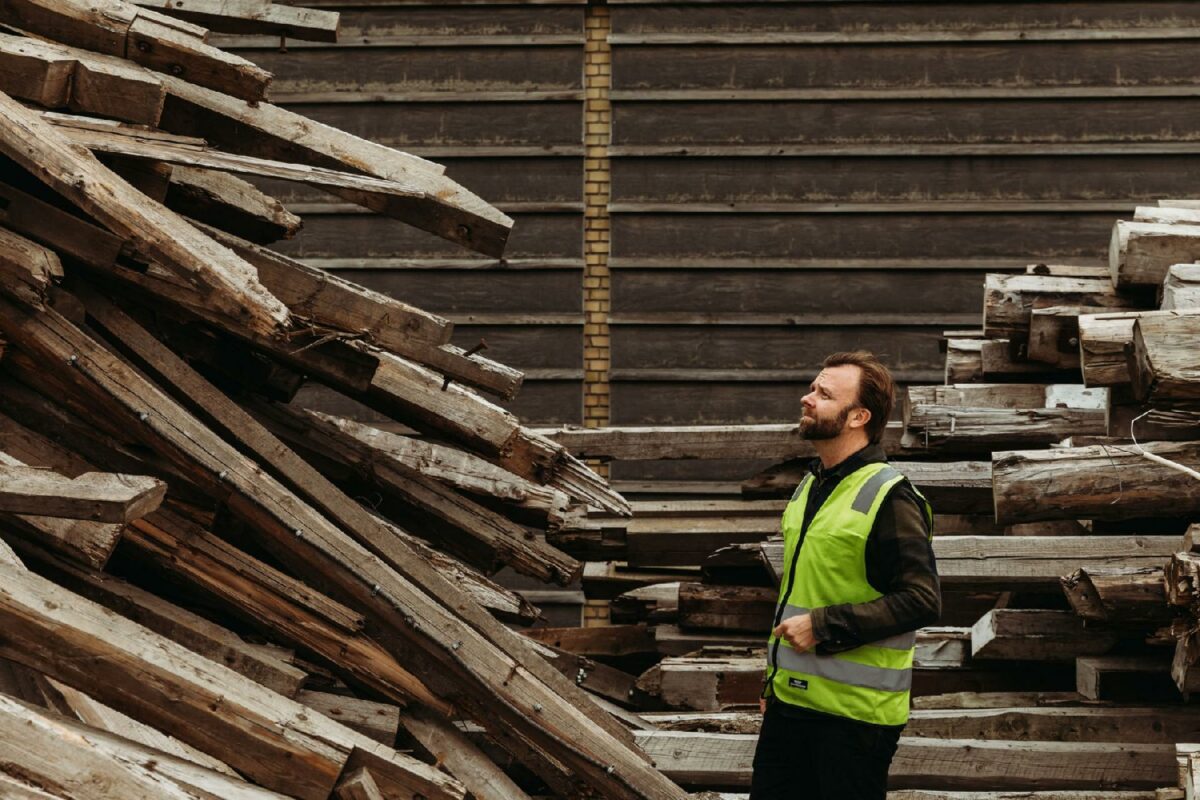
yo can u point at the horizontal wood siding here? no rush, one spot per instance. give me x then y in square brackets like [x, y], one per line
[794, 178]
[494, 92]
[788, 177]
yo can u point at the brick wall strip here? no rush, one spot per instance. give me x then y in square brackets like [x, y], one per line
[596, 279]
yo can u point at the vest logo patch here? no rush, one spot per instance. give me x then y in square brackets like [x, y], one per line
[797, 683]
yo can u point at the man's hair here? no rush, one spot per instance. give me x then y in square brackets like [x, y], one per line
[876, 389]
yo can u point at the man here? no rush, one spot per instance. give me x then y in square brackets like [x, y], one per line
[858, 580]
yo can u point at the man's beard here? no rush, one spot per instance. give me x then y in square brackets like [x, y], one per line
[813, 428]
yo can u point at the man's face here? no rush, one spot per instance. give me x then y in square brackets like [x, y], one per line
[830, 399]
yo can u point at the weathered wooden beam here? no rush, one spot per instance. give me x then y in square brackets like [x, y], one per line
[1138, 679]
[237, 206]
[712, 759]
[1054, 334]
[1182, 578]
[379, 721]
[73, 760]
[358, 785]
[964, 360]
[1167, 215]
[197, 634]
[261, 129]
[453, 655]
[253, 17]
[604, 640]
[734, 608]
[27, 270]
[475, 528]
[1118, 595]
[1181, 287]
[97, 715]
[967, 428]
[54, 77]
[1164, 364]
[1185, 665]
[1009, 300]
[998, 363]
[264, 735]
[231, 285]
[97, 496]
[1025, 561]
[384, 196]
[1096, 482]
[117, 28]
[1140, 253]
[458, 468]
[461, 756]
[779, 441]
[1037, 635]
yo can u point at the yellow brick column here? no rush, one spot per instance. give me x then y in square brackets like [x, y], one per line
[597, 132]
[597, 120]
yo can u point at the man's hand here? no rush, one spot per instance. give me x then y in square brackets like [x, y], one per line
[798, 632]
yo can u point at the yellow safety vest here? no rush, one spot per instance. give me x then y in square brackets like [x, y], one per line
[870, 683]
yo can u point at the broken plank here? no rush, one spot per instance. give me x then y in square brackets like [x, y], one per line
[27, 270]
[97, 496]
[1118, 595]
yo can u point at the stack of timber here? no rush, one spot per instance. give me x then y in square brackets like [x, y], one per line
[1061, 460]
[207, 589]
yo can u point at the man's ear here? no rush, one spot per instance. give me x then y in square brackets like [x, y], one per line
[860, 417]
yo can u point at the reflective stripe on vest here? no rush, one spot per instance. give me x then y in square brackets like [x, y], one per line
[901, 641]
[842, 671]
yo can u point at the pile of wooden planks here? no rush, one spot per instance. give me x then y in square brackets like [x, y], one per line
[1060, 457]
[206, 588]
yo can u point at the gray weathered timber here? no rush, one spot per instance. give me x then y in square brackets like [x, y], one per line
[95, 496]
[1164, 363]
[27, 270]
[1141, 252]
[1008, 300]
[44, 73]
[266, 736]
[1096, 482]
[1126, 678]
[254, 17]
[779, 441]
[162, 235]
[701, 759]
[354, 570]
[1118, 595]
[1036, 635]
[458, 468]
[170, 621]
[1054, 334]
[219, 198]
[1025, 561]
[967, 428]
[120, 29]
[78, 761]
[1181, 287]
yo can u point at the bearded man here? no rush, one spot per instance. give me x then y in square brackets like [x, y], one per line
[858, 580]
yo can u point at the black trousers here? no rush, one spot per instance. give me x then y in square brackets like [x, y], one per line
[821, 758]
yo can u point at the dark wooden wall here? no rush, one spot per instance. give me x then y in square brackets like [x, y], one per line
[788, 178]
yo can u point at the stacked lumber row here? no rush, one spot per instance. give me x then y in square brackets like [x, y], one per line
[207, 589]
[1068, 595]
